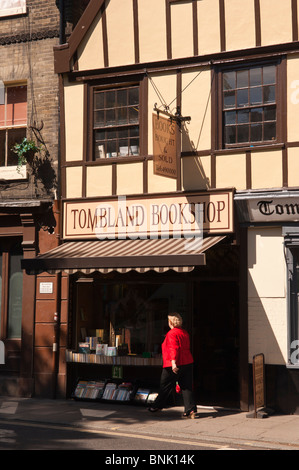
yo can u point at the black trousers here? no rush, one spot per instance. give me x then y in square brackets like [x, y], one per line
[167, 383]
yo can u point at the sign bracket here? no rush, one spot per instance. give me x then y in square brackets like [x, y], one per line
[175, 117]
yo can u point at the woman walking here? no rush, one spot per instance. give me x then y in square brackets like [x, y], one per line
[177, 367]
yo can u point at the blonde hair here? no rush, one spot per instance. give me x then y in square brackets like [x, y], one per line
[175, 319]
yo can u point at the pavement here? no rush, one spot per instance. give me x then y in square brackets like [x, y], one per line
[226, 427]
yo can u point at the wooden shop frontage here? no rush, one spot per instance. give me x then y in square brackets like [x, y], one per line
[129, 263]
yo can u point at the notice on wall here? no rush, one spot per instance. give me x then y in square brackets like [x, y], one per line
[12, 7]
[165, 146]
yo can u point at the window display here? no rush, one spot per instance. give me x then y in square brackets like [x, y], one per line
[123, 323]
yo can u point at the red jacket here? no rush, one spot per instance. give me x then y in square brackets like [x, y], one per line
[176, 346]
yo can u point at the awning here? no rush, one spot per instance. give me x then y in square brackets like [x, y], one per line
[141, 255]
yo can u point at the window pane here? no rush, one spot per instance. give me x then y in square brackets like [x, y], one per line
[16, 105]
[230, 134]
[134, 147]
[269, 131]
[15, 296]
[242, 97]
[243, 133]
[110, 99]
[229, 80]
[270, 113]
[255, 76]
[122, 98]
[14, 136]
[256, 95]
[256, 114]
[269, 93]
[269, 74]
[229, 99]
[256, 132]
[230, 117]
[110, 117]
[133, 96]
[99, 101]
[243, 116]
[2, 147]
[133, 115]
[242, 79]
[99, 118]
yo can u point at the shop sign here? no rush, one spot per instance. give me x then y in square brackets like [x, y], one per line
[12, 7]
[271, 209]
[166, 216]
[164, 146]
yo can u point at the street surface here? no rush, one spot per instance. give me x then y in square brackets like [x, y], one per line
[36, 436]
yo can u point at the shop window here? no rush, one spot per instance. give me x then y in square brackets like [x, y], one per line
[11, 292]
[131, 318]
[249, 104]
[13, 122]
[115, 122]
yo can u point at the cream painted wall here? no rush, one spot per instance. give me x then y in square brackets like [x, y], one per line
[152, 30]
[267, 303]
[181, 31]
[196, 103]
[73, 103]
[208, 26]
[129, 178]
[159, 184]
[74, 182]
[196, 173]
[166, 84]
[293, 166]
[231, 171]
[293, 97]
[91, 51]
[276, 21]
[266, 169]
[120, 32]
[239, 24]
[99, 181]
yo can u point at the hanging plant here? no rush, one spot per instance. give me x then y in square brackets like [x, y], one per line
[25, 151]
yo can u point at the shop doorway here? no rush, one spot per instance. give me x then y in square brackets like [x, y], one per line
[216, 343]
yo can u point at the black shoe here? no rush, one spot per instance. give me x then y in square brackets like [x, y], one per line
[190, 414]
[152, 409]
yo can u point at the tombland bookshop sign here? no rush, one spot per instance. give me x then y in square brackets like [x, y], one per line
[150, 217]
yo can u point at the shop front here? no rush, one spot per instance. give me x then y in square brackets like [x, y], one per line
[129, 266]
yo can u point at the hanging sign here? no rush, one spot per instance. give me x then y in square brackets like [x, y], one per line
[12, 7]
[164, 146]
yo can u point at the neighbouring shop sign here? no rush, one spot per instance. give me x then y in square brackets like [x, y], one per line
[269, 208]
[164, 146]
[12, 7]
[151, 217]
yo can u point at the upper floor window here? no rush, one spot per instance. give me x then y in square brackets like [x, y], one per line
[116, 122]
[13, 122]
[12, 7]
[249, 106]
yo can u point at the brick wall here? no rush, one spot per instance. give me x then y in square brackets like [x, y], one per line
[26, 53]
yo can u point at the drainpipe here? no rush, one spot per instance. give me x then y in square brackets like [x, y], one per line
[62, 22]
[56, 336]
